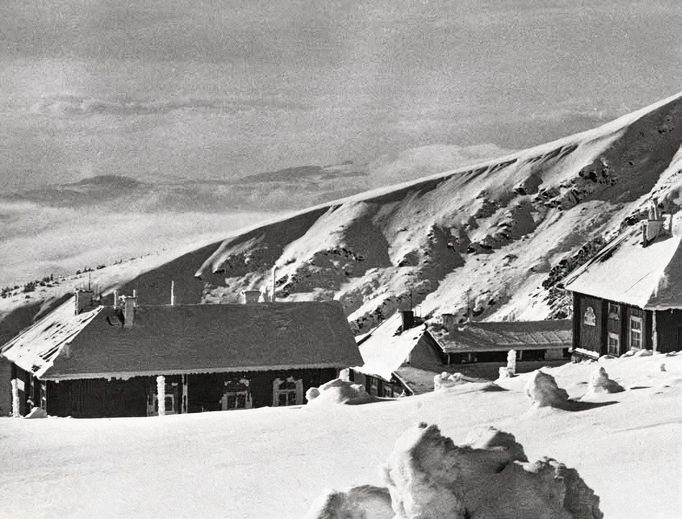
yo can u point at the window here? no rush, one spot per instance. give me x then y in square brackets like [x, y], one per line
[590, 318]
[614, 311]
[287, 392]
[372, 386]
[388, 391]
[635, 332]
[236, 395]
[614, 344]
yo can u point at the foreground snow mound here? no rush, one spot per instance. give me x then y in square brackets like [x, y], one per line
[36, 412]
[429, 477]
[338, 391]
[365, 502]
[446, 380]
[543, 391]
[601, 383]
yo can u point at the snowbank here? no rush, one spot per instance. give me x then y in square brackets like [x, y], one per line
[543, 391]
[429, 477]
[365, 502]
[446, 380]
[601, 383]
[336, 392]
[36, 412]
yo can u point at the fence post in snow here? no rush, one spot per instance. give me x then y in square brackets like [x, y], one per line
[511, 362]
[16, 403]
[161, 394]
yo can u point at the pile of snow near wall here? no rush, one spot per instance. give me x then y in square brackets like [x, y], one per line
[364, 502]
[36, 412]
[338, 391]
[429, 477]
[543, 391]
[601, 383]
[446, 380]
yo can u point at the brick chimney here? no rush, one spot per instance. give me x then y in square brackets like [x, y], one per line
[249, 296]
[653, 226]
[129, 304]
[407, 317]
[449, 322]
[84, 300]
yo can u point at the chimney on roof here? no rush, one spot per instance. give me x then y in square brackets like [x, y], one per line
[84, 300]
[407, 317]
[249, 296]
[449, 322]
[653, 226]
[129, 304]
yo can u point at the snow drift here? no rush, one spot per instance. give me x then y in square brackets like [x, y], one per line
[601, 383]
[336, 392]
[429, 477]
[543, 391]
[446, 380]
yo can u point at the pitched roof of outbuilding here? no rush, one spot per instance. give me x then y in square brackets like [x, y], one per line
[624, 271]
[185, 339]
[506, 335]
[386, 348]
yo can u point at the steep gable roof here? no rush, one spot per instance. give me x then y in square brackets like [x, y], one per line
[624, 271]
[185, 339]
[506, 335]
[385, 348]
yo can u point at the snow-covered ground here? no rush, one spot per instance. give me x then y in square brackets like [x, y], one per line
[263, 463]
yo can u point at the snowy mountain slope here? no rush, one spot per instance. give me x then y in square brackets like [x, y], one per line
[488, 235]
[273, 462]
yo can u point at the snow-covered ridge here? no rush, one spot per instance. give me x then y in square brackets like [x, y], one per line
[486, 236]
[494, 229]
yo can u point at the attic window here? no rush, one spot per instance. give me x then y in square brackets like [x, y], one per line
[614, 311]
[590, 318]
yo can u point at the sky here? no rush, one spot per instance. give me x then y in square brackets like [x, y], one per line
[174, 89]
[187, 95]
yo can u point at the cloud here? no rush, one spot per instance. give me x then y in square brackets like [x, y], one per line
[64, 105]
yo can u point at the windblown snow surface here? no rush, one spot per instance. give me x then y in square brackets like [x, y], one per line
[276, 462]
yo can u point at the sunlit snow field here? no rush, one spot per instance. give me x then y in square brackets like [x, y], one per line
[274, 462]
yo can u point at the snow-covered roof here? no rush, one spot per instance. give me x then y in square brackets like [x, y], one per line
[500, 336]
[624, 271]
[384, 349]
[185, 339]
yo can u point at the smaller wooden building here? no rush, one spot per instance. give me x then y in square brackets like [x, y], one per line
[477, 342]
[400, 342]
[629, 296]
[402, 355]
[86, 359]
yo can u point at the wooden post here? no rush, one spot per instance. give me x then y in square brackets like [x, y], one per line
[161, 394]
[16, 403]
[185, 395]
[654, 332]
[511, 362]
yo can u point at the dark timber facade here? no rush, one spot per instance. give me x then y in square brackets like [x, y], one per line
[89, 360]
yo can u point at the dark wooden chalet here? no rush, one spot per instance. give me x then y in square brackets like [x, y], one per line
[629, 296]
[89, 360]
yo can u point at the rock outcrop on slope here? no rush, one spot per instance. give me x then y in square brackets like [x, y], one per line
[429, 477]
